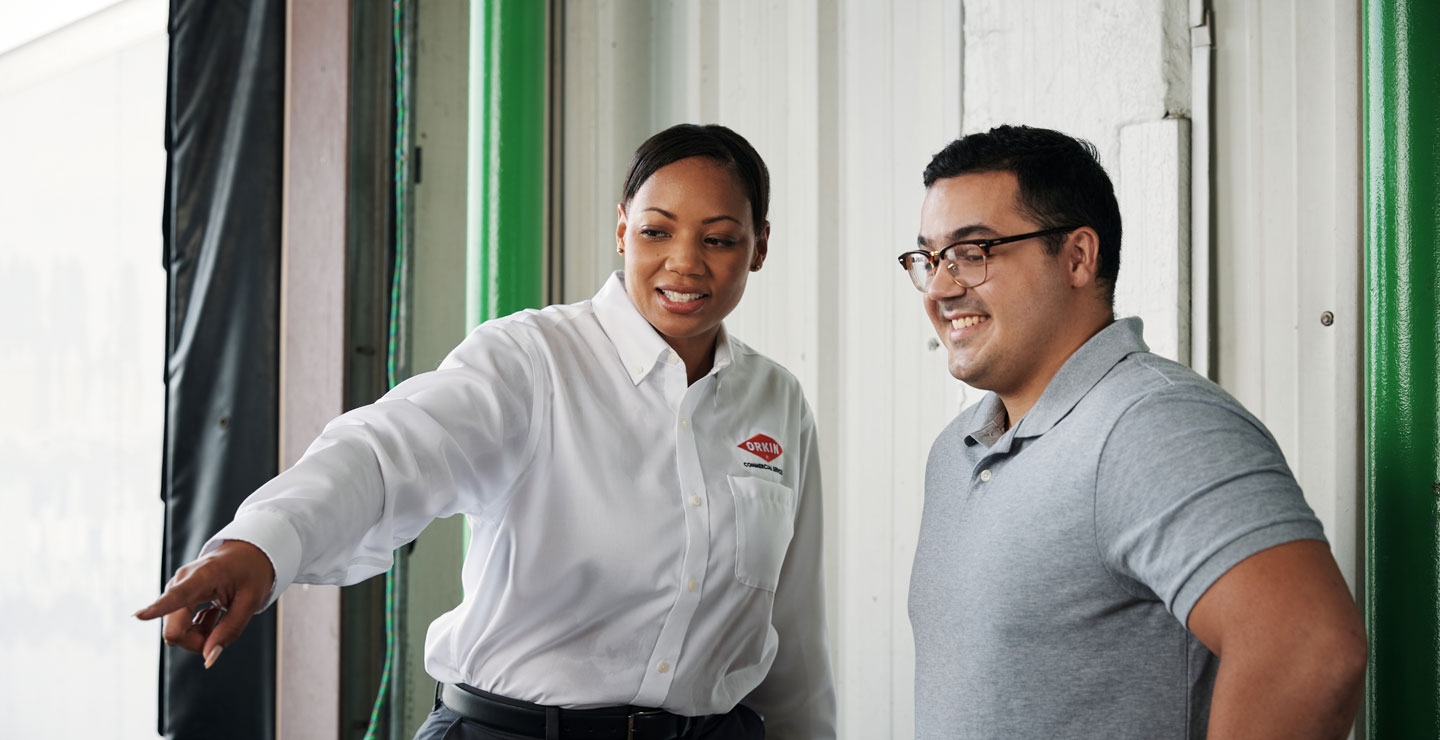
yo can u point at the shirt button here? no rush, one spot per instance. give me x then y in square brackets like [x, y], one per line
[664, 666]
[692, 585]
[985, 476]
[674, 358]
[684, 423]
[694, 500]
[639, 369]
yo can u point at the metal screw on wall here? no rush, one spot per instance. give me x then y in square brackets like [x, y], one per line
[1327, 318]
[933, 344]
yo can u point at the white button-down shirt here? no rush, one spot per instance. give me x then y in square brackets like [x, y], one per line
[635, 540]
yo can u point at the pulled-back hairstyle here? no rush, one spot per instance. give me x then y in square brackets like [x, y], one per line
[1061, 183]
[713, 141]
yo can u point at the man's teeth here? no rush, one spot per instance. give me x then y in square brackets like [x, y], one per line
[966, 321]
[681, 297]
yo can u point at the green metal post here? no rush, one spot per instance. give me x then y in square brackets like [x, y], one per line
[1402, 362]
[506, 224]
[505, 221]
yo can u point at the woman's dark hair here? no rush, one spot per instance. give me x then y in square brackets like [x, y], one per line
[714, 141]
[1061, 183]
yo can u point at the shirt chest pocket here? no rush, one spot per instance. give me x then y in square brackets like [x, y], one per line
[764, 524]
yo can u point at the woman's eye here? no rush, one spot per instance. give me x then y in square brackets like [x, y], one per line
[716, 241]
[650, 233]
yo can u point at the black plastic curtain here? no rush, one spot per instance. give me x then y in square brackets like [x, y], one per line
[223, 138]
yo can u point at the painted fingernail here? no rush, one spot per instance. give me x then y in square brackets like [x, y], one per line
[213, 656]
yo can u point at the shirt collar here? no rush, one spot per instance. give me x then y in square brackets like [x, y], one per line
[640, 347]
[1076, 377]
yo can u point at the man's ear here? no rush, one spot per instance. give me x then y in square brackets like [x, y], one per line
[1081, 254]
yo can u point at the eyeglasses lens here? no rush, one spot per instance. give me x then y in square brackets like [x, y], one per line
[920, 270]
[966, 264]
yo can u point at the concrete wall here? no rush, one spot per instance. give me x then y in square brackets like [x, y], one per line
[81, 417]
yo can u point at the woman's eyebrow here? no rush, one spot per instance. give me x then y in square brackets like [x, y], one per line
[710, 220]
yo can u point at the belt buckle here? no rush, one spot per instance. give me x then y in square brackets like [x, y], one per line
[630, 721]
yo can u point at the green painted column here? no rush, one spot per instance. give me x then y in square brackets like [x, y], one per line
[1402, 363]
[506, 219]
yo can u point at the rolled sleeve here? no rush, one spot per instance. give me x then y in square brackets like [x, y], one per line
[1210, 489]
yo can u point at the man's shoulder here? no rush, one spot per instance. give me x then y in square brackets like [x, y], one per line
[1147, 398]
[1155, 381]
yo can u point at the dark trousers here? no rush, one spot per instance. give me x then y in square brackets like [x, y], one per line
[741, 723]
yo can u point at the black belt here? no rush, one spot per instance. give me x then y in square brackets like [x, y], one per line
[535, 720]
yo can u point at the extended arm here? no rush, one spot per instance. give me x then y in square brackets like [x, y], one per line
[1291, 645]
[442, 442]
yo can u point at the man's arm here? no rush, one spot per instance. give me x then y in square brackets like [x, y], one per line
[1291, 645]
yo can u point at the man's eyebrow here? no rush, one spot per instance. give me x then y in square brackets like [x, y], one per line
[960, 234]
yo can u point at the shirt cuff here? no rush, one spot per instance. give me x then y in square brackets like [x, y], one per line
[1230, 555]
[275, 537]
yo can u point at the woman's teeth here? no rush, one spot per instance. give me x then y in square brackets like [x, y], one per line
[966, 321]
[681, 297]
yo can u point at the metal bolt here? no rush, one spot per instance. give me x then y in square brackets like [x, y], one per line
[1327, 318]
[224, 422]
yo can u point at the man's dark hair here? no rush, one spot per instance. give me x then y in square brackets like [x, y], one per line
[1061, 183]
[714, 141]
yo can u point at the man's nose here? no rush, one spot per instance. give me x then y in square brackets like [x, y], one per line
[943, 286]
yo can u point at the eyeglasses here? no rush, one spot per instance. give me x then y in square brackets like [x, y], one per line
[966, 261]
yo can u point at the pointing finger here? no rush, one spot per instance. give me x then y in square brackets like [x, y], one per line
[181, 594]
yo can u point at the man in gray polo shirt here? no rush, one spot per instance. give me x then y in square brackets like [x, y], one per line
[1111, 546]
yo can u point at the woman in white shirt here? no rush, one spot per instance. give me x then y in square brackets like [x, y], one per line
[642, 488]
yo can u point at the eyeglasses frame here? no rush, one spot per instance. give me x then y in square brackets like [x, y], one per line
[985, 246]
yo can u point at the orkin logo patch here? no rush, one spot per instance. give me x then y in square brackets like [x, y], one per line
[762, 447]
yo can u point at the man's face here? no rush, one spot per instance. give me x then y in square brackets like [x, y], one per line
[1001, 335]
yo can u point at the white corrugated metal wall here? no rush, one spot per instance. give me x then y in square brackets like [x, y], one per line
[848, 99]
[1288, 243]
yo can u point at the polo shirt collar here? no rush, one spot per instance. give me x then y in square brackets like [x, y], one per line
[639, 346]
[1076, 377]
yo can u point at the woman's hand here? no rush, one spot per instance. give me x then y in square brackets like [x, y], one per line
[207, 604]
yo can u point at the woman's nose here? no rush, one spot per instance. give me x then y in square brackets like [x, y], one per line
[685, 257]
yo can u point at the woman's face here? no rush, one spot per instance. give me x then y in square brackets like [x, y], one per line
[689, 244]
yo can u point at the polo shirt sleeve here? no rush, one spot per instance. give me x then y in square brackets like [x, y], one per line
[1187, 487]
[443, 442]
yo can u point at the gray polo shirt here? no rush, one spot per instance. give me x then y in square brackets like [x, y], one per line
[1058, 561]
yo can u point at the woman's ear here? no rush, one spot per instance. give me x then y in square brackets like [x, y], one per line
[762, 247]
[620, 229]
